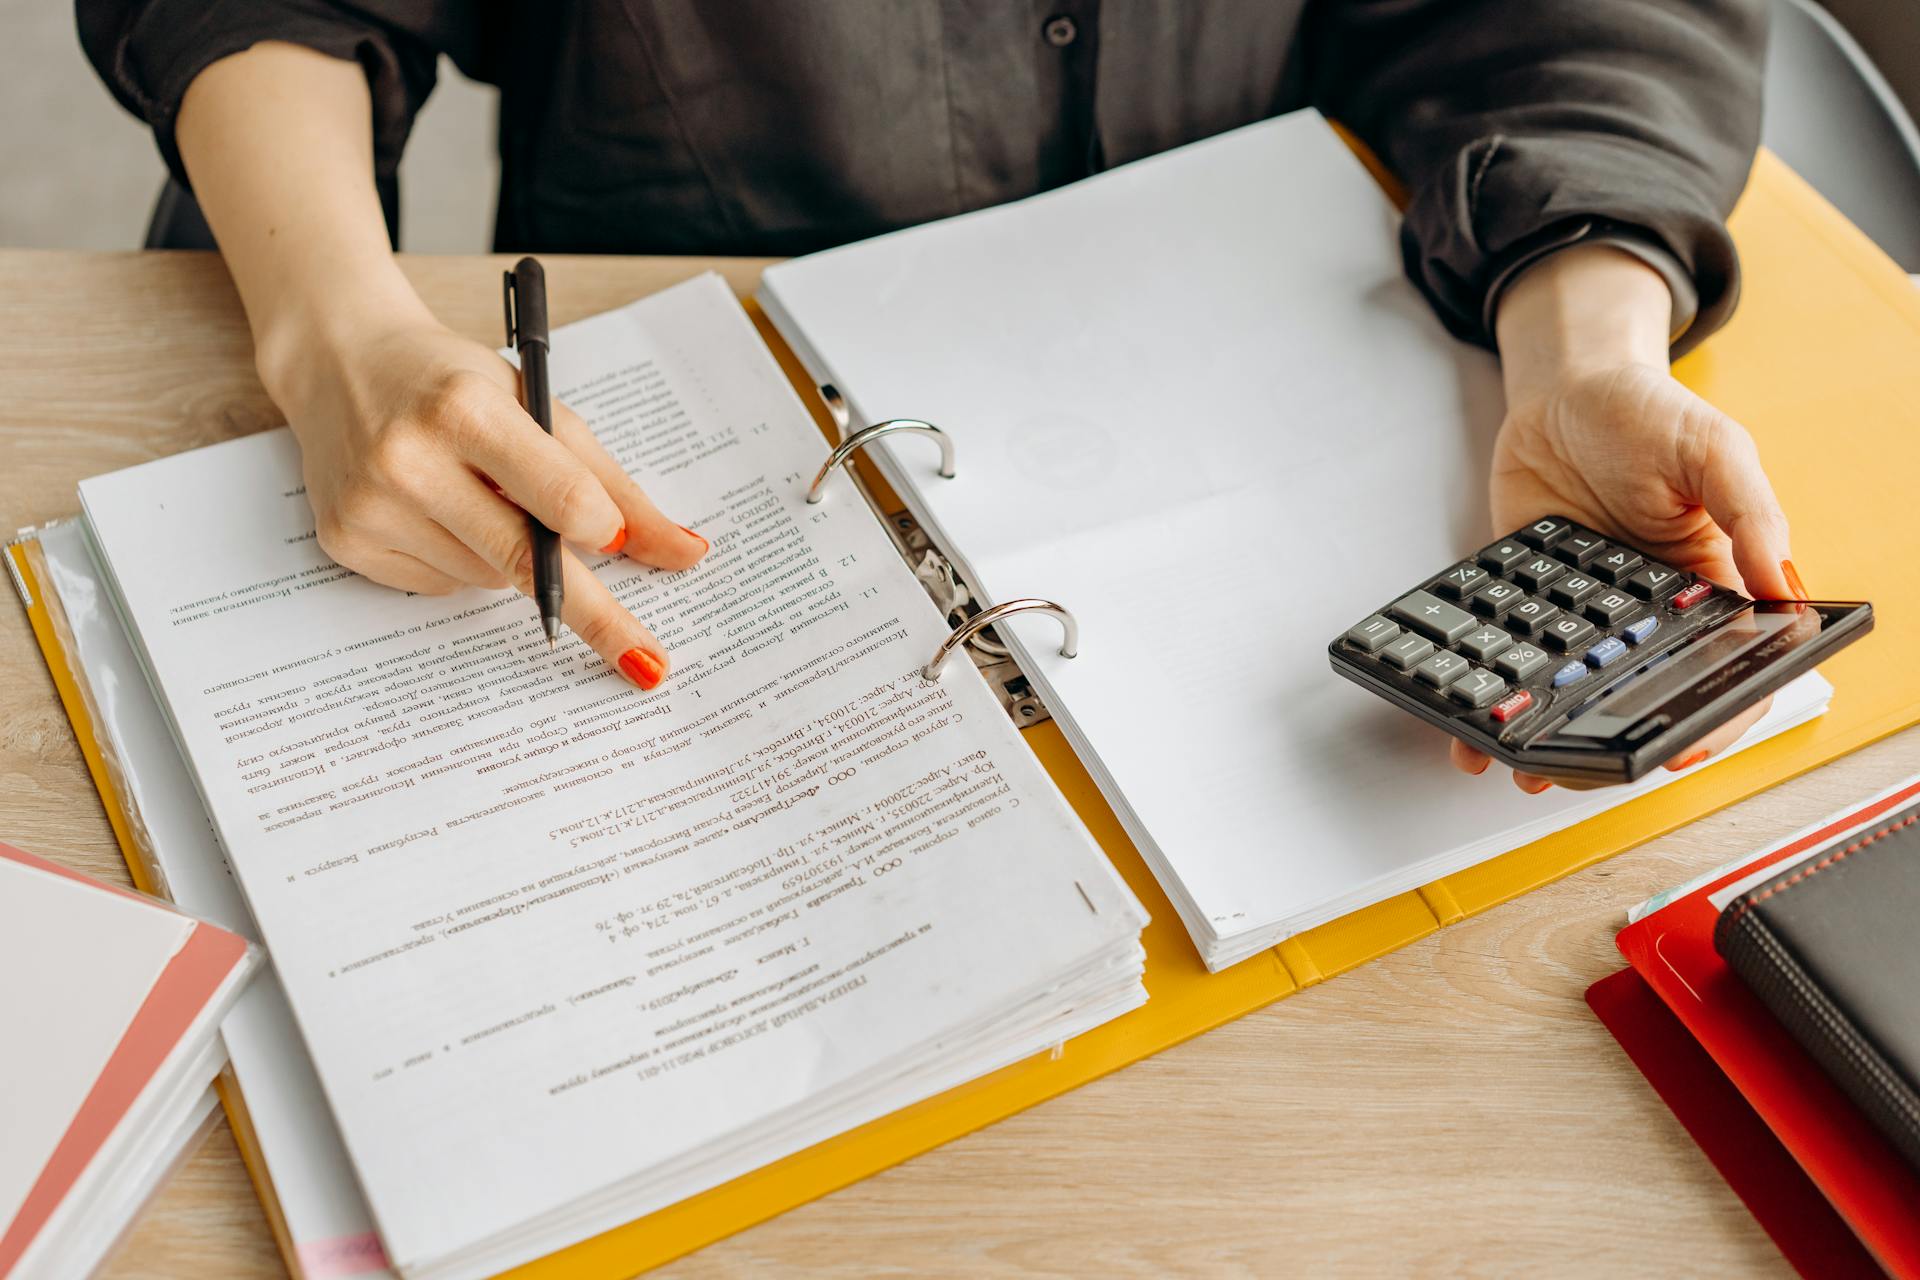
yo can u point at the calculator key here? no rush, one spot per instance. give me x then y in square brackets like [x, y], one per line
[1608, 650]
[1693, 595]
[1484, 643]
[1616, 564]
[1572, 589]
[1538, 572]
[1372, 633]
[1579, 547]
[1530, 615]
[1511, 705]
[1567, 632]
[1611, 606]
[1652, 580]
[1462, 580]
[1637, 632]
[1520, 661]
[1505, 554]
[1541, 535]
[1567, 674]
[1432, 616]
[1408, 651]
[1477, 688]
[1496, 598]
[1441, 670]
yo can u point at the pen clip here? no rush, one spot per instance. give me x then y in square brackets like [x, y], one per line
[506, 296]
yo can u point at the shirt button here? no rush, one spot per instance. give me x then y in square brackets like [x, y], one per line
[1060, 31]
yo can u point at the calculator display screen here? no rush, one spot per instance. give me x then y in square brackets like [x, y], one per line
[1696, 673]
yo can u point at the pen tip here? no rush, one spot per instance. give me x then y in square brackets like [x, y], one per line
[551, 626]
[552, 644]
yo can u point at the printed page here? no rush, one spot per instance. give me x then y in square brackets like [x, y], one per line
[1196, 400]
[541, 930]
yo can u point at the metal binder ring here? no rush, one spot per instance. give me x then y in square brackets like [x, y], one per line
[867, 435]
[837, 407]
[1069, 638]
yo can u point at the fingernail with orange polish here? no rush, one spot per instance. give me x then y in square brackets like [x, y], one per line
[1484, 766]
[1792, 575]
[704, 544]
[1535, 787]
[1687, 762]
[642, 668]
[619, 541]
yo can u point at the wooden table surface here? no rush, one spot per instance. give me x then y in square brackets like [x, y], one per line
[1453, 1108]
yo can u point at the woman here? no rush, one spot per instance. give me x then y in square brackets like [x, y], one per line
[1568, 162]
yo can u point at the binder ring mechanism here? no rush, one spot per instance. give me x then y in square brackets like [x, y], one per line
[867, 435]
[1069, 630]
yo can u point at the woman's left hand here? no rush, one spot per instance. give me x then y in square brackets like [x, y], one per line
[1599, 431]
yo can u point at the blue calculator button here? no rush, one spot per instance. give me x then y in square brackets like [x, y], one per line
[1637, 632]
[1605, 652]
[1569, 673]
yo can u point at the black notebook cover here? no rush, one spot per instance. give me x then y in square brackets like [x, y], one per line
[1832, 947]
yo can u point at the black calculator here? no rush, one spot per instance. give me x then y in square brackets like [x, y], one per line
[1571, 655]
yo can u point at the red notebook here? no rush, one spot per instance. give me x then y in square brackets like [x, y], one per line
[110, 1004]
[1761, 1171]
[1875, 1192]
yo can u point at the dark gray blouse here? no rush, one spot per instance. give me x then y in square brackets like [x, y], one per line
[782, 126]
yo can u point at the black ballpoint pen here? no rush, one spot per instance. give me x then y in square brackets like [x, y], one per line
[526, 299]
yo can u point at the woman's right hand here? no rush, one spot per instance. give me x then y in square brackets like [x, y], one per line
[422, 467]
[420, 464]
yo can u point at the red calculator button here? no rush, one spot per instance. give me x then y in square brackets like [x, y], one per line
[1511, 705]
[1693, 595]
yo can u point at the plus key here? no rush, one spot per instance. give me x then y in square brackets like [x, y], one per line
[1432, 617]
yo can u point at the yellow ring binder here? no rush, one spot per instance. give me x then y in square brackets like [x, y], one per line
[1818, 296]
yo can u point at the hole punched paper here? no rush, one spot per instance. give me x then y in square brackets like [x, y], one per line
[1199, 403]
[565, 952]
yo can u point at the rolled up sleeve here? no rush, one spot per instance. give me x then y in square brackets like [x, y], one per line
[149, 51]
[1521, 126]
